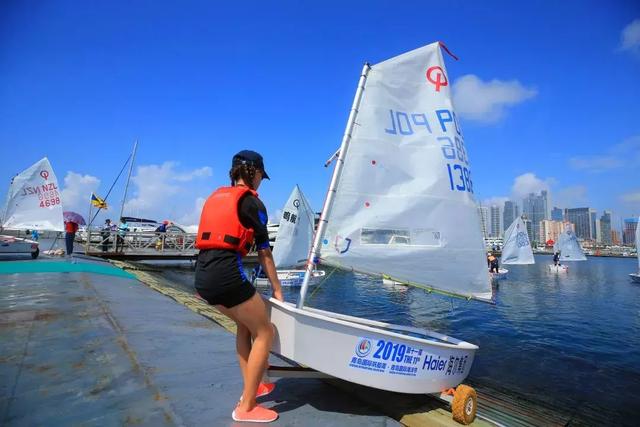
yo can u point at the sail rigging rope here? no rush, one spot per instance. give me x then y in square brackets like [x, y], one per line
[111, 188]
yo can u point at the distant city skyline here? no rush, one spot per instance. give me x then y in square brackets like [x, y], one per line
[588, 223]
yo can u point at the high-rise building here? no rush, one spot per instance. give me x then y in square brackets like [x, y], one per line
[550, 230]
[510, 213]
[605, 228]
[557, 214]
[581, 218]
[615, 237]
[595, 226]
[528, 226]
[629, 231]
[536, 208]
[496, 221]
[483, 213]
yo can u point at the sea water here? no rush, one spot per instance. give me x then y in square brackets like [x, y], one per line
[568, 340]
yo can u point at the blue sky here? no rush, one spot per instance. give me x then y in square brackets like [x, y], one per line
[548, 93]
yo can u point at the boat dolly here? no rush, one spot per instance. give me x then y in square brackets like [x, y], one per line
[463, 399]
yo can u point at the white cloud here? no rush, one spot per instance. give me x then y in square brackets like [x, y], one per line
[595, 164]
[619, 155]
[630, 37]
[164, 191]
[527, 183]
[631, 198]
[196, 173]
[77, 190]
[191, 219]
[495, 200]
[572, 196]
[488, 101]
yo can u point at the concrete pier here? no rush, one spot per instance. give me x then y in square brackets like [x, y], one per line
[89, 348]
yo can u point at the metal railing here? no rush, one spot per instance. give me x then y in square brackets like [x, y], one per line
[138, 242]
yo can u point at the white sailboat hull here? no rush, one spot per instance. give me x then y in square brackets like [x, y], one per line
[558, 268]
[370, 353]
[501, 274]
[17, 245]
[635, 277]
[292, 278]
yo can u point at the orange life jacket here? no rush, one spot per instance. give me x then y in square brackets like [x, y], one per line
[220, 226]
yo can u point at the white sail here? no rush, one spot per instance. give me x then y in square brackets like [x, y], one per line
[295, 232]
[517, 247]
[569, 247]
[34, 200]
[404, 204]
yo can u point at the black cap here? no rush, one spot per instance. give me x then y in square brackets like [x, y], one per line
[251, 158]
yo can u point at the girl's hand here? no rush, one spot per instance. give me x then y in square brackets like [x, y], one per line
[277, 294]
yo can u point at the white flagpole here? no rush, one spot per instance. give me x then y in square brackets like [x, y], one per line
[328, 202]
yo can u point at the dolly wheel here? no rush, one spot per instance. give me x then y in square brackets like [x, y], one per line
[464, 405]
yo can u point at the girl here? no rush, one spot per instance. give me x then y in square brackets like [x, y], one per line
[232, 219]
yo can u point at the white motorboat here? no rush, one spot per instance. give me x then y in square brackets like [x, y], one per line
[403, 170]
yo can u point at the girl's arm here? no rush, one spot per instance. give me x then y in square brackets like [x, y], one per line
[266, 261]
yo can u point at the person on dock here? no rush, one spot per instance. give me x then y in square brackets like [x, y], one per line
[70, 229]
[232, 219]
[34, 235]
[556, 258]
[123, 227]
[107, 228]
[161, 230]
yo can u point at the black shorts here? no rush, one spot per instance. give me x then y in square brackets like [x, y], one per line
[230, 297]
[220, 278]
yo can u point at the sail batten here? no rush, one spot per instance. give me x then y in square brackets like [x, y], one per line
[404, 199]
[34, 200]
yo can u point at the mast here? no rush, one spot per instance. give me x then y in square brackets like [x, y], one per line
[337, 172]
[126, 187]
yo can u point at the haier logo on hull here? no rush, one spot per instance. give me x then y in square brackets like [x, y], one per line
[453, 365]
[433, 364]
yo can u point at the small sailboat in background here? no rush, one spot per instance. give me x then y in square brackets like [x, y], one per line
[636, 276]
[517, 247]
[293, 243]
[400, 203]
[33, 202]
[569, 248]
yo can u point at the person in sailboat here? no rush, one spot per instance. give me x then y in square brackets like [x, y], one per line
[232, 219]
[492, 261]
[556, 258]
